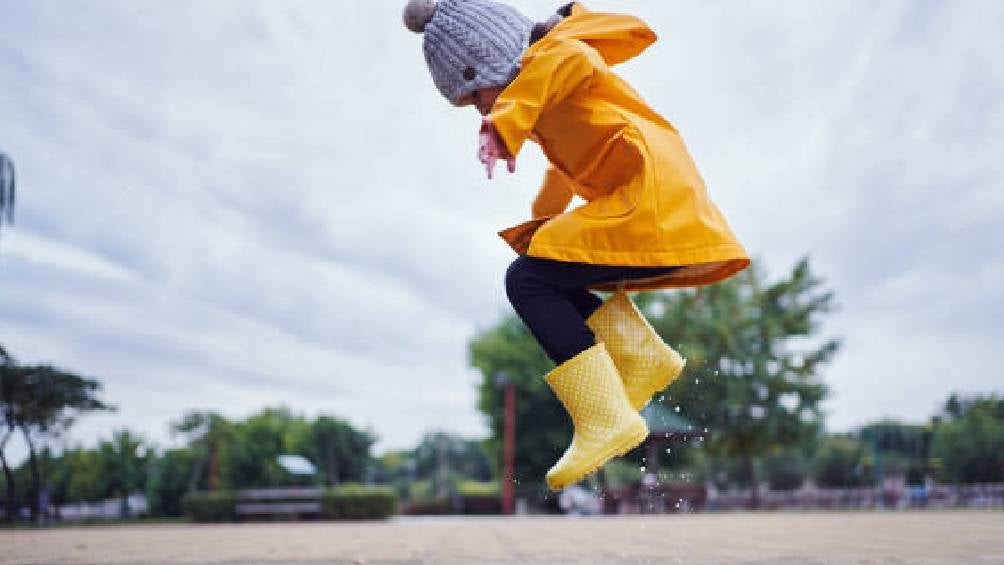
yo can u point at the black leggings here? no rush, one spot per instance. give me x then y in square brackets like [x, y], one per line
[552, 299]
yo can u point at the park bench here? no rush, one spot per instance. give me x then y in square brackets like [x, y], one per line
[279, 502]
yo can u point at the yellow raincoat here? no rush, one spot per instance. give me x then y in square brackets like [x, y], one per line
[646, 202]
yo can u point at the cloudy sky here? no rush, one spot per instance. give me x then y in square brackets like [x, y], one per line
[241, 203]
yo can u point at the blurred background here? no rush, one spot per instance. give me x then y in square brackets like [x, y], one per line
[251, 267]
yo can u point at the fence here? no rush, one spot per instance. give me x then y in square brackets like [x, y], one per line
[686, 497]
[888, 497]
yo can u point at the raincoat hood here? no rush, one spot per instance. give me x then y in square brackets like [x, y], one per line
[618, 38]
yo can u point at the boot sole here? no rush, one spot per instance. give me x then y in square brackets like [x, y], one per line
[631, 437]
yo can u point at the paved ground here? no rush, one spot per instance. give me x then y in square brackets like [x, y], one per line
[921, 537]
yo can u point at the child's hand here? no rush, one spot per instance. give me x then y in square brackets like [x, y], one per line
[491, 148]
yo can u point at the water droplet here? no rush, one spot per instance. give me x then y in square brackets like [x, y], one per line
[677, 409]
[697, 381]
[669, 450]
[642, 468]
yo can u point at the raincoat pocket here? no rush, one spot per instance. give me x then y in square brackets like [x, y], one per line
[613, 183]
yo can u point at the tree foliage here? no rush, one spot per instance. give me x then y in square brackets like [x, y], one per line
[339, 450]
[125, 461]
[439, 468]
[969, 443]
[168, 480]
[753, 377]
[207, 432]
[242, 454]
[40, 402]
[229, 454]
[842, 461]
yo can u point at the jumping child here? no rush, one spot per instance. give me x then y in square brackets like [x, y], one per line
[647, 222]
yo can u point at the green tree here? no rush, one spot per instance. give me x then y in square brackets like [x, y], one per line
[168, 480]
[124, 463]
[753, 375]
[42, 402]
[250, 460]
[78, 475]
[207, 433]
[970, 442]
[446, 459]
[7, 184]
[786, 469]
[243, 454]
[340, 451]
[901, 449]
[842, 462]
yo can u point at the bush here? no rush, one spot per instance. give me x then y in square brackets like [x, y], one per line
[785, 470]
[842, 462]
[210, 506]
[478, 489]
[357, 502]
[969, 446]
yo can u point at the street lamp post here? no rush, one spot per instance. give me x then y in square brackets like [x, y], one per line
[508, 441]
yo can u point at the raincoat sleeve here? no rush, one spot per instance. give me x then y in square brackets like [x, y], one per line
[554, 195]
[548, 76]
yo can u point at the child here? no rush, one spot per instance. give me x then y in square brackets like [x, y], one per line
[647, 222]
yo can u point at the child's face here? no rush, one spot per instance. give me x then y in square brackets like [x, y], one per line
[483, 99]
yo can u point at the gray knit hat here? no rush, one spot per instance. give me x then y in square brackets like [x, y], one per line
[469, 44]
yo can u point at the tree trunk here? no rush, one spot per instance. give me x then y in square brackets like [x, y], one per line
[36, 478]
[332, 468]
[193, 479]
[214, 468]
[10, 503]
[442, 472]
[754, 486]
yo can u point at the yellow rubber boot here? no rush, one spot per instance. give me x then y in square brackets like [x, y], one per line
[645, 362]
[605, 424]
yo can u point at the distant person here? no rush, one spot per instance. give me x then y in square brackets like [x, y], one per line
[647, 222]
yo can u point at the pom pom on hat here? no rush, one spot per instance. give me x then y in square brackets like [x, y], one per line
[418, 13]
